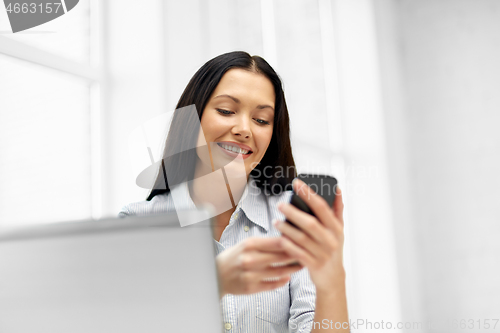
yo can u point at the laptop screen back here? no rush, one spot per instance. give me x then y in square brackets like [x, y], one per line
[120, 275]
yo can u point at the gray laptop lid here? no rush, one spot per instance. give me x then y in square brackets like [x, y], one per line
[134, 274]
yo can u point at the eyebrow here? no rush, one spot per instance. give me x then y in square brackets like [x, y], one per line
[238, 101]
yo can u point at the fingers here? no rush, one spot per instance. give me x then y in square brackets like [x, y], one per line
[338, 205]
[267, 244]
[273, 284]
[272, 278]
[307, 225]
[279, 272]
[242, 268]
[258, 253]
[266, 279]
[322, 238]
[303, 257]
[259, 260]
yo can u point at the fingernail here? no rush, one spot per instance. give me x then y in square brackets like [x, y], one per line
[276, 222]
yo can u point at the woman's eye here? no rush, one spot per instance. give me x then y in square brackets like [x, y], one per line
[224, 112]
[263, 122]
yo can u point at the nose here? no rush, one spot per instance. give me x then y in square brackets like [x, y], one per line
[242, 128]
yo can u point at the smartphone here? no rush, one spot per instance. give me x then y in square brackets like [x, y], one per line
[323, 185]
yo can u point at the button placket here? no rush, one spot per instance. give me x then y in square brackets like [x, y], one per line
[235, 214]
[230, 322]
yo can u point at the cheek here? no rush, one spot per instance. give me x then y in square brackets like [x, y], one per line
[212, 127]
[264, 139]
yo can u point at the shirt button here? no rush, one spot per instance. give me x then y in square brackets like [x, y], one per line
[246, 228]
[236, 215]
[228, 326]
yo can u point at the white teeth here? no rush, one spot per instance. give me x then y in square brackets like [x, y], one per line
[233, 149]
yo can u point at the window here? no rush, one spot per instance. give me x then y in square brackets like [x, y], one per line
[49, 119]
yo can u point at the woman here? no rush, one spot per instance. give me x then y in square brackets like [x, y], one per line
[244, 144]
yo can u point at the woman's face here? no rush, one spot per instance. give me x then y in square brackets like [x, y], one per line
[239, 114]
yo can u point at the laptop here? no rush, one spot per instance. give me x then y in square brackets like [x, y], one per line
[134, 274]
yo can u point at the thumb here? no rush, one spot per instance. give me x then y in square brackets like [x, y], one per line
[338, 205]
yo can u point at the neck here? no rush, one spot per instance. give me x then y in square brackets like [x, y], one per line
[218, 189]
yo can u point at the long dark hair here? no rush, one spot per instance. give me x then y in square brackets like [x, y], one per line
[278, 159]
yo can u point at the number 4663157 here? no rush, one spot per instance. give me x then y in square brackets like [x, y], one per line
[33, 8]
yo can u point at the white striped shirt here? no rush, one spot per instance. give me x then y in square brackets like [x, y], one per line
[289, 308]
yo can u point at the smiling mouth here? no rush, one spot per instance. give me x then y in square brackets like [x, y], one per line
[234, 149]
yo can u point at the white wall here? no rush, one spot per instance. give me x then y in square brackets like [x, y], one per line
[133, 93]
[442, 113]
[370, 220]
[397, 129]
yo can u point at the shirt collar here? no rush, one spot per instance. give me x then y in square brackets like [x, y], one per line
[181, 197]
[252, 202]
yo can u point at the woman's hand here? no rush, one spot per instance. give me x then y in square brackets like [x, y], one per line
[318, 241]
[243, 268]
